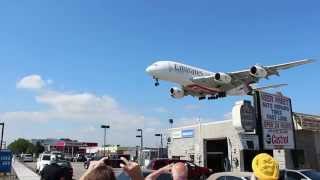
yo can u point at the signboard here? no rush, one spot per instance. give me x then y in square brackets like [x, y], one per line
[188, 133]
[176, 134]
[310, 124]
[249, 142]
[243, 116]
[5, 161]
[276, 120]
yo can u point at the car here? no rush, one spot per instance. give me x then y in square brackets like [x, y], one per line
[42, 161]
[145, 173]
[27, 157]
[115, 163]
[231, 176]
[307, 174]
[194, 171]
[67, 168]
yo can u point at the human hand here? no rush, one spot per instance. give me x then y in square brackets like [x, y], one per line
[94, 164]
[167, 168]
[132, 169]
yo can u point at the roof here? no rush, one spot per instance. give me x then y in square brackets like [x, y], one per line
[197, 124]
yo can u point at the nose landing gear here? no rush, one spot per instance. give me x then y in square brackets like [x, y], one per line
[157, 81]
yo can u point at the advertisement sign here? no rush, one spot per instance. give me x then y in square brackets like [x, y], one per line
[176, 134]
[249, 142]
[276, 119]
[5, 161]
[243, 116]
[188, 133]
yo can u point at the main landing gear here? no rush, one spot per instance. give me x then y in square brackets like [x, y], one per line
[215, 96]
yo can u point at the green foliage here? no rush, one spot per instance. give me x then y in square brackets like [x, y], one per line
[22, 146]
[38, 148]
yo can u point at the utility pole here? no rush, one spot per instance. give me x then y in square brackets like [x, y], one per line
[141, 144]
[2, 124]
[104, 138]
[161, 148]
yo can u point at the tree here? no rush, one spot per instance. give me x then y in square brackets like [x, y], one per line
[39, 148]
[21, 146]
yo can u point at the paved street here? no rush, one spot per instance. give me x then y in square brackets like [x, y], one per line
[78, 169]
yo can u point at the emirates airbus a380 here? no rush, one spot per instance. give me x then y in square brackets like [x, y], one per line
[206, 84]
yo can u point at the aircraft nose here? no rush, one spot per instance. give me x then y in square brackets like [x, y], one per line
[149, 69]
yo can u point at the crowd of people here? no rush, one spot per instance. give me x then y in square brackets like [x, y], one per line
[263, 165]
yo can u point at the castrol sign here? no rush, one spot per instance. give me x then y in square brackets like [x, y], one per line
[276, 119]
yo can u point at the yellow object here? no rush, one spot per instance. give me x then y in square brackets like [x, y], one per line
[265, 167]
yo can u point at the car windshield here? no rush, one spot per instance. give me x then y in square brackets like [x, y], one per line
[46, 157]
[312, 174]
[28, 155]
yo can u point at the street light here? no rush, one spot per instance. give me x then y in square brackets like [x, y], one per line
[105, 127]
[171, 122]
[160, 135]
[141, 144]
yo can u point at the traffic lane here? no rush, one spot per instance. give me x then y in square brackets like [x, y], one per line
[78, 169]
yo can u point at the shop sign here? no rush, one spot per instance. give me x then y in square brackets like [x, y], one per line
[276, 119]
[310, 124]
[243, 116]
[188, 133]
[176, 134]
[249, 142]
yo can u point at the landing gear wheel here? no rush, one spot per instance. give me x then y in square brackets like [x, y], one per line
[157, 81]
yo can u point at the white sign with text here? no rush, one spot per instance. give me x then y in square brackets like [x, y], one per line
[276, 119]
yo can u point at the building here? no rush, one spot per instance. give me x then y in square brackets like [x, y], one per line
[222, 146]
[65, 145]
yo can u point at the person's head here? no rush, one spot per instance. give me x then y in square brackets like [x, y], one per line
[101, 172]
[179, 171]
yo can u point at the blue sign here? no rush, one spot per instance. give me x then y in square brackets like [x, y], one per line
[188, 133]
[5, 161]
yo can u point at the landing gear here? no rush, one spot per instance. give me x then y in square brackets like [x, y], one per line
[217, 95]
[157, 81]
[202, 98]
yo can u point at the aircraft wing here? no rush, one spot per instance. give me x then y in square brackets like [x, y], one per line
[245, 75]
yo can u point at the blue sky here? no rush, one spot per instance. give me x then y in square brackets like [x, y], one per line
[95, 53]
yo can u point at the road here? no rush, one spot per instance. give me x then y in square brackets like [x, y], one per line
[78, 169]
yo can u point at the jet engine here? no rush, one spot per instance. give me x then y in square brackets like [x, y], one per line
[222, 77]
[177, 92]
[258, 71]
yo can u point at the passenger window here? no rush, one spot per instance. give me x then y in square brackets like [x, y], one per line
[294, 176]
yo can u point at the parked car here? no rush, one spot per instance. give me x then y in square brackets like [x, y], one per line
[67, 168]
[231, 176]
[43, 160]
[306, 174]
[27, 157]
[194, 171]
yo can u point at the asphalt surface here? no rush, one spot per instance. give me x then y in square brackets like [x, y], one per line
[78, 169]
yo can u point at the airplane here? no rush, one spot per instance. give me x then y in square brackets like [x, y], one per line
[206, 84]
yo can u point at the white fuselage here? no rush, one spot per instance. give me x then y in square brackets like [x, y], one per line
[176, 72]
[182, 74]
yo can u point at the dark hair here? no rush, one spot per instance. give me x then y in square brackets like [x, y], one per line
[102, 172]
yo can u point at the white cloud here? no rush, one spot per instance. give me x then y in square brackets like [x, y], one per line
[31, 82]
[76, 115]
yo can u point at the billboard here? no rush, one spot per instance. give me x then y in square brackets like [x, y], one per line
[276, 120]
[5, 161]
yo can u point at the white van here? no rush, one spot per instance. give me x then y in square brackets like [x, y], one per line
[27, 157]
[42, 161]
